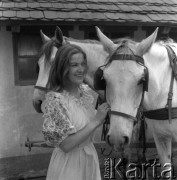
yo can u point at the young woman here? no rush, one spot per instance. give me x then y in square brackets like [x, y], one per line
[70, 118]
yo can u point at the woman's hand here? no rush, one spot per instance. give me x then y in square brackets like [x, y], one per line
[102, 111]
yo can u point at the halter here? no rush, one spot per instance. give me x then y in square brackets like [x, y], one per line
[139, 60]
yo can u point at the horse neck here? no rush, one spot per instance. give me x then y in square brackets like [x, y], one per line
[157, 62]
[96, 56]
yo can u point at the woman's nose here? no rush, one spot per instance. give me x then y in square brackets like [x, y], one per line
[81, 68]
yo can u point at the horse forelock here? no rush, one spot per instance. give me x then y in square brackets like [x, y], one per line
[47, 50]
[125, 46]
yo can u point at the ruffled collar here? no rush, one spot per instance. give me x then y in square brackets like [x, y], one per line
[83, 99]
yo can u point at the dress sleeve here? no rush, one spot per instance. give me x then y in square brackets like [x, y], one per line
[57, 125]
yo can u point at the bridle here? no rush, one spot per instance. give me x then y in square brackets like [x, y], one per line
[140, 61]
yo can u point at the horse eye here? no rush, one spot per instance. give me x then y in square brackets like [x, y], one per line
[37, 69]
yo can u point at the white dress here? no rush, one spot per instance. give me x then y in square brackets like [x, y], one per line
[65, 115]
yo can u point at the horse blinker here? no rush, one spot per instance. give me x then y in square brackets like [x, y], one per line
[99, 81]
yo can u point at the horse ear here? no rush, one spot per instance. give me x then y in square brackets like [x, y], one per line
[44, 37]
[107, 43]
[59, 35]
[146, 44]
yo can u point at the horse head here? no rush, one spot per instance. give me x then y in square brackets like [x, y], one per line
[125, 76]
[49, 49]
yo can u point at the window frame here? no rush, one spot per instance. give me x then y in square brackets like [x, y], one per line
[17, 80]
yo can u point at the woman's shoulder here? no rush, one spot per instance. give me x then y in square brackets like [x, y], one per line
[51, 95]
[54, 99]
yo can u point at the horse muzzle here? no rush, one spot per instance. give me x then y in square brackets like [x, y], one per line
[119, 142]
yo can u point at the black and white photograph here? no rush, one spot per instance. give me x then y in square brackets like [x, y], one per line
[88, 89]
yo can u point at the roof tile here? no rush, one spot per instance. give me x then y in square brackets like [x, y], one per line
[69, 6]
[172, 9]
[173, 17]
[140, 17]
[58, 5]
[9, 13]
[117, 15]
[81, 6]
[113, 7]
[154, 17]
[33, 5]
[171, 2]
[46, 5]
[98, 16]
[165, 17]
[111, 16]
[151, 11]
[75, 15]
[145, 8]
[51, 14]
[86, 15]
[36, 14]
[20, 5]
[23, 14]
[136, 8]
[164, 9]
[8, 4]
[125, 8]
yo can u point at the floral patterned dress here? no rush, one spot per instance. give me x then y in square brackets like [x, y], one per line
[64, 115]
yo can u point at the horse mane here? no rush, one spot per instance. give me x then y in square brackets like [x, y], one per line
[165, 41]
[87, 41]
[47, 50]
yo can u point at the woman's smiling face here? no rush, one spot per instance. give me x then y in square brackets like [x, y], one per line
[77, 69]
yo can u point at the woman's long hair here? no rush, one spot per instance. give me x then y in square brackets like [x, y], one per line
[60, 66]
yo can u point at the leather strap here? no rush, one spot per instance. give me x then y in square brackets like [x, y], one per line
[130, 57]
[160, 114]
[41, 88]
[123, 115]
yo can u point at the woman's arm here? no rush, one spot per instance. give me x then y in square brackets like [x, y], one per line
[79, 137]
[59, 131]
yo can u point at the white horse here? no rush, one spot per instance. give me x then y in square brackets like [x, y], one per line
[124, 92]
[96, 57]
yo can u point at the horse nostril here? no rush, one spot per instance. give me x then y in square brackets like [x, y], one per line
[126, 140]
[108, 141]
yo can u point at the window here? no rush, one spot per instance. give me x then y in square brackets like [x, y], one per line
[27, 44]
[112, 32]
[26, 52]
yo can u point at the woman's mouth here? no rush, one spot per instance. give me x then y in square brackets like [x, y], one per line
[80, 75]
